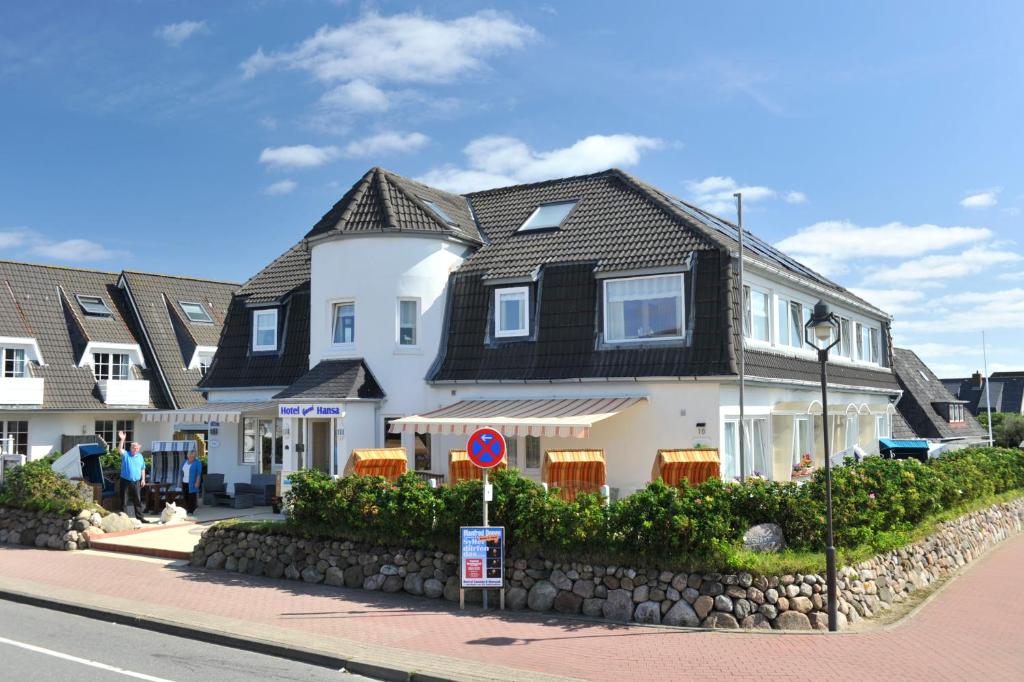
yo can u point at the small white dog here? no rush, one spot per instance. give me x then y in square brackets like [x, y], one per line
[172, 513]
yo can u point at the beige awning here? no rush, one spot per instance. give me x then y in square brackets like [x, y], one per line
[219, 412]
[555, 417]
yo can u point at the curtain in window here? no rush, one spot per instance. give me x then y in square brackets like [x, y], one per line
[757, 439]
[345, 323]
[852, 431]
[644, 307]
[801, 439]
[730, 452]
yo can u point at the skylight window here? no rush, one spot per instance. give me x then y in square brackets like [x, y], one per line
[548, 216]
[195, 312]
[438, 211]
[93, 305]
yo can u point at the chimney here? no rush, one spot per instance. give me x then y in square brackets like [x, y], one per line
[977, 379]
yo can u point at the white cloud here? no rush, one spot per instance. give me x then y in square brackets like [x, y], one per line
[1017, 276]
[75, 251]
[409, 48]
[356, 96]
[175, 34]
[943, 267]
[985, 199]
[496, 160]
[388, 142]
[892, 301]
[828, 246]
[282, 187]
[12, 238]
[972, 312]
[298, 156]
[715, 194]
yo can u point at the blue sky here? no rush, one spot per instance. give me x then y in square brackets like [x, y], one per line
[878, 142]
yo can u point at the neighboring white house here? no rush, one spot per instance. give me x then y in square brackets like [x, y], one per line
[87, 353]
[592, 312]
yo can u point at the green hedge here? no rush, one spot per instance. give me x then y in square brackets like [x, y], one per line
[36, 487]
[871, 500]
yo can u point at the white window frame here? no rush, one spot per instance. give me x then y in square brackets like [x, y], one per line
[526, 227]
[256, 315]
[748, 334]
[208, 318]
[656, 339]
[415, 323]
[797, 455]
[748, 431]
[511, 291]
[883, 426]
[110, 364]
[334, 322]
[19, 365]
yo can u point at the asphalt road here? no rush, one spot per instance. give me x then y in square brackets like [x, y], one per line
[43, 644]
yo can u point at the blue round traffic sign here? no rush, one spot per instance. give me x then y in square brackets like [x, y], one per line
[486, 447]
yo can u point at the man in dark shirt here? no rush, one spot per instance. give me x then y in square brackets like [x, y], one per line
[133, 476]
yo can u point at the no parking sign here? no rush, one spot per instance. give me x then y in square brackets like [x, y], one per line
[486, 448]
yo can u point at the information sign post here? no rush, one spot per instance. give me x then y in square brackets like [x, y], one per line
[486, 449]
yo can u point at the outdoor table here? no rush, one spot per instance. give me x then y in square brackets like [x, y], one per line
[157, 495]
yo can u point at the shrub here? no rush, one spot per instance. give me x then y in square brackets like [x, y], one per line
[35, 486]
[874, 501]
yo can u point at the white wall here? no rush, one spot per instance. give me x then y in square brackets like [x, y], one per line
[375, 272]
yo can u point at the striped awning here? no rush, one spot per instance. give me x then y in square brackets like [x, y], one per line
[461, 467]
[387, 462]
[695, 465]
[555, 417]
[220, 412]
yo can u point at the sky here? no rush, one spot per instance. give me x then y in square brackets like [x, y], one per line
[879, 143]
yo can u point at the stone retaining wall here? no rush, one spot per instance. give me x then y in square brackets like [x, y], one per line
[39, 529]
[620, 593]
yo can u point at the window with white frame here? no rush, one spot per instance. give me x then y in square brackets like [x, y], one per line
[408, 321]
[956, 413]
[852, 430]
[15, 366]
[107, 429]
[204, 363]
[512, 312]
[264, 329]
[343, 330]
[882, 426]
[845, 337]
[790, 323]
[548, 216]
[756, 314]
[111, 366]
[643, 308]
[195, 312]
[802, 443]
[755, 449]
[14, 437]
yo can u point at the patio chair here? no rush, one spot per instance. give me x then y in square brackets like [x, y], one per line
[214, 489]
[262, 487]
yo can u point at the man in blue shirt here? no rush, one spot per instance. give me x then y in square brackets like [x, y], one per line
[133, 476]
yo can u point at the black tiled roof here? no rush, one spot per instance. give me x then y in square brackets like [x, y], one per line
[283, 284]
[1006, 393]
[40, 303]
[335, 380]
[921, 391]
[173, 336]
[385, 202]
[769, 365]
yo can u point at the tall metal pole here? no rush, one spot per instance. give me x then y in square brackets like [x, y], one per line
[486, 505]
[988, 395]
[830, 550]
[743, 336]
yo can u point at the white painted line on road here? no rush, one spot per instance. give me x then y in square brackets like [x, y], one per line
[83, 661]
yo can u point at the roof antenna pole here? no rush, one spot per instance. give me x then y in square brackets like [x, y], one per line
[988, 396]
[743, 335]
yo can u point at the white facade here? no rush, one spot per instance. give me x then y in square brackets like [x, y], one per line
[45, 428]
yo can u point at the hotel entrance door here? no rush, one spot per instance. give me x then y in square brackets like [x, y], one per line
[320, 444]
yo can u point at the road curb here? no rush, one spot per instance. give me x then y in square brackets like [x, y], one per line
[196, 632]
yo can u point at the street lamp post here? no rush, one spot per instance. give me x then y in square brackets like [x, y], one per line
[823, 332]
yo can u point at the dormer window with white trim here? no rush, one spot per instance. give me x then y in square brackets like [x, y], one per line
[548, 216]
[195, 312]
[264, 329]
[643, 309]
[93, 305]
[111, 366]
[756, 314]
[15, 364]
[512, 312]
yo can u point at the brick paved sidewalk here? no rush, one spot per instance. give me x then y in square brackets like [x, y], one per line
[972, 629]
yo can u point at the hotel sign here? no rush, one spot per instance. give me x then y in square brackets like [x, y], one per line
[311, 410]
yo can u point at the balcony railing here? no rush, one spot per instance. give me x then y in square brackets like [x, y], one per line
[124, 392]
